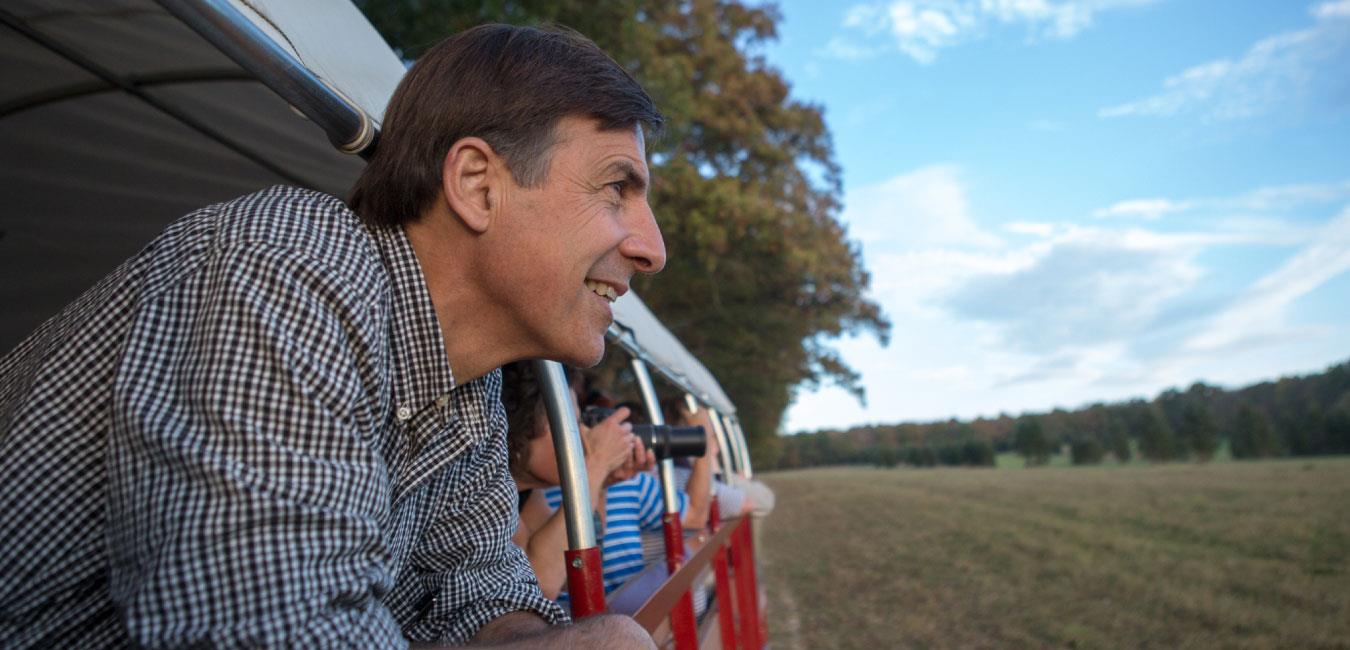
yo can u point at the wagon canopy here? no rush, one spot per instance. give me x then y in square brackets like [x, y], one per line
[118, 116]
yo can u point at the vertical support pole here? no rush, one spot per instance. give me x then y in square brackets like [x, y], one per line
[746, 470]
[733, 449]
[723, 446]
[585, 572]
[726, 615]
[682, 622]
[757, 624]
[746, 596]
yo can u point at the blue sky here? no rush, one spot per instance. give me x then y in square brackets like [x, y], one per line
[1078, 200]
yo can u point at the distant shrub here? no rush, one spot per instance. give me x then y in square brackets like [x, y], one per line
[1086, 451]
[1030, 441]
[1252, 436]
[1157, 442]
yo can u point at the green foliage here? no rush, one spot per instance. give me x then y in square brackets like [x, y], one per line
[1030, 441]
[1086, 451]
[1157, 442]
[1198, 432]
[1118, 440]
[1252, 435]
[1203, 413]
[886, 457]
[761, 274]
[977, 453]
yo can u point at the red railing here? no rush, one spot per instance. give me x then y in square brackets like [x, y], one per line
[735, 612]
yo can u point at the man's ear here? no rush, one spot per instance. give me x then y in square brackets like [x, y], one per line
[467, 180]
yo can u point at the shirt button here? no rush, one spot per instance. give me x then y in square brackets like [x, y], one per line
[403, 413]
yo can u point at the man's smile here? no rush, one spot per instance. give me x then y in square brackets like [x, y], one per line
[605, 290]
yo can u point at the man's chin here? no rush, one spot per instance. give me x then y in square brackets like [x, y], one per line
[584, 356]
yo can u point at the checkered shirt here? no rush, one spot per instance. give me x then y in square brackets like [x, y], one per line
[249, 435]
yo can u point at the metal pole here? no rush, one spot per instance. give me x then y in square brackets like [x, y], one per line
[682, 623]
[723, 449]
[747, 470]
[585, 573]
[733, 449]
[217, 21]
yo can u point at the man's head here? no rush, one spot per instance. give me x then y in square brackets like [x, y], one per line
[520, 153]
[507, 85]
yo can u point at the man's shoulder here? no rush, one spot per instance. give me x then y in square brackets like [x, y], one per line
[298, 219]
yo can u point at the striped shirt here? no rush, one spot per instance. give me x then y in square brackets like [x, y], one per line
[631, 507]
[249, 435]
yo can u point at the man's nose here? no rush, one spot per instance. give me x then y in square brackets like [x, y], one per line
[644, 244]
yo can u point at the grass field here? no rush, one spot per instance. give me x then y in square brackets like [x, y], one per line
[1221, 555]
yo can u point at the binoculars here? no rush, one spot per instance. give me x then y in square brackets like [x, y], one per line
[664, 440]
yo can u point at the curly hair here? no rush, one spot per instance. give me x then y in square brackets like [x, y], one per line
[524, 403]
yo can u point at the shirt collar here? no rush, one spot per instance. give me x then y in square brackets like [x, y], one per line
[424, 379]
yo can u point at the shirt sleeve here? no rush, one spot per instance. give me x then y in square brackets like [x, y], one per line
[467, 557]
[650, 505]
[244, 496]
[729, 499]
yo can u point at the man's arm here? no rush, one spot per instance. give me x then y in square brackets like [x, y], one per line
[243, 501]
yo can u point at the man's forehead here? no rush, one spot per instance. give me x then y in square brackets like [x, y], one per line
[585, 133]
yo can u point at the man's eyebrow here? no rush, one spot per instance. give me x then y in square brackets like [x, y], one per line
[630, 172]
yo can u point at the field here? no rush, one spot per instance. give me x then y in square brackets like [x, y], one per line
[1221, 555]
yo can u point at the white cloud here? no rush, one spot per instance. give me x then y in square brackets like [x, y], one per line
[920, 28]
[1148, 209]
[1260, 313]
[1034, 228]
[1269, 199]
[1064, 313]
[1087, 287]
[1332, 9]
[1288, 197]
[1278, 70]
[924, 208]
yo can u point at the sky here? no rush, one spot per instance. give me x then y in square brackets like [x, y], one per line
[1063, 202]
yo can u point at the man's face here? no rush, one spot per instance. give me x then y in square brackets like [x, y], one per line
[566, 248]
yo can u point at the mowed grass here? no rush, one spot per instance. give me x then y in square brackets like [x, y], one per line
[1227, 555]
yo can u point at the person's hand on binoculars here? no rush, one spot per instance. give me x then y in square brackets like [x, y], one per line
[640, 459]
[609, 444]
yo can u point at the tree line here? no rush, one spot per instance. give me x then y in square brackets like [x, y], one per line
[1294, 416]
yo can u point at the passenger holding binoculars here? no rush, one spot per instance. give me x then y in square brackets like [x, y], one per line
[613, 454]
[615, 458]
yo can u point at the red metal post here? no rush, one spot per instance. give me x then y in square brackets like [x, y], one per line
[682, 622]
[585, 581]
[585, 575]
[748, 616]
[726, 616]
[754, 614]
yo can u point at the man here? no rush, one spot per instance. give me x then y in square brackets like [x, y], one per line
[279, 424]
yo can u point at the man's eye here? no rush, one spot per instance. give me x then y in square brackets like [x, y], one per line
[618, 187]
